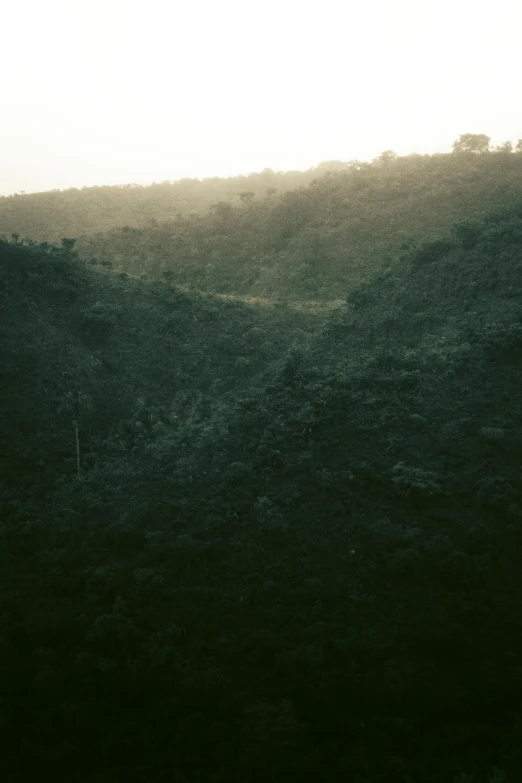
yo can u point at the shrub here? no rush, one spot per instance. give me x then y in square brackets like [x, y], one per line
[492, 433]
[410, 479]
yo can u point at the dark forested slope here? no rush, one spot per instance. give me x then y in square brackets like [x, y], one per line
[293, 553]
[322, 240]
[126, 358]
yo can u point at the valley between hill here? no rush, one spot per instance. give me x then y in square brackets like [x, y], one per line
[262, 520]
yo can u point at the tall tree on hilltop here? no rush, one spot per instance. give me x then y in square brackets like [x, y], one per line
[477, 143]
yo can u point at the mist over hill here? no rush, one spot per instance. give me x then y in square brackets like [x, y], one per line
[48, 216]
[325, 237]
[261, 520]
[287, 235]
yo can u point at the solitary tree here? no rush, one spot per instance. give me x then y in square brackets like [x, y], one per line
[387, 156]
[477, 143]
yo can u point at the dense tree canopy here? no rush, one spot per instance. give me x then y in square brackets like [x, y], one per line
[476, 143]
[261, 530]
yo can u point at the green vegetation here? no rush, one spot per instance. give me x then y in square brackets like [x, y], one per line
[329, 236]
[51, 215]
[256, 541]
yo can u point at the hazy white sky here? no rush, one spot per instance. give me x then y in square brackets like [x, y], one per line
[117, 91]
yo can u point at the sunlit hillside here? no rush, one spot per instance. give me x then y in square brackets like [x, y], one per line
[324, 239]
[49, 216]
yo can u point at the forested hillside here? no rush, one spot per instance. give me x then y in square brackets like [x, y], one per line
[316, 235]
[321, 240]
[244, 542]
[47, 217]
[126, 358]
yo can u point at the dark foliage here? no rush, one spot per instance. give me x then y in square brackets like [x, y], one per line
[293, 549]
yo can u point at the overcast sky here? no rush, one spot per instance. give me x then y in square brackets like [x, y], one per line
[100, 92]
